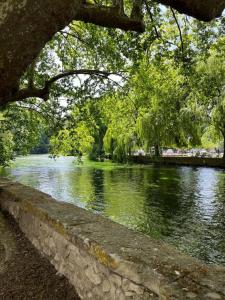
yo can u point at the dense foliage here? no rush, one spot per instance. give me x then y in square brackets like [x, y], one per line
[111, 93]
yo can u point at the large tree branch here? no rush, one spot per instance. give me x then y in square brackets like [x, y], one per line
[111, 17]
[32, 92]
[204, 10]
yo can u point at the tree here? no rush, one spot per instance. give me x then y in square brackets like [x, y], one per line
[165, 119]
[6, 143]
[20, 131]
[209, 90]
[27, 26]
[120, 116]
[151, 106]
[42, 147]
[76, 141]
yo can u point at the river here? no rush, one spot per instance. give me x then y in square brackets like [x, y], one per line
[184, 206]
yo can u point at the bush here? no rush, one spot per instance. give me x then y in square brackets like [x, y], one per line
[6, 148]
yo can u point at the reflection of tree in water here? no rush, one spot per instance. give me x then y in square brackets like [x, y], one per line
[185, 206]
[123, 195]
[169, 201]
[161, 204]
[97, 201]
[80, 186]
[4, 172]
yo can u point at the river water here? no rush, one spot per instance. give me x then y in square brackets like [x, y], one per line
[185, 206]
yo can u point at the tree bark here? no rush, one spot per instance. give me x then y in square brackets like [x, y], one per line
[43, 93]
[204, 10]
[157, 151]
[224, 146]
[27, 25]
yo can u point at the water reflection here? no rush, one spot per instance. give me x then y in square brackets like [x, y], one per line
[182, 205]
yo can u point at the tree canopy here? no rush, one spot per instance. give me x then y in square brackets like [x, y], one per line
[27, 26]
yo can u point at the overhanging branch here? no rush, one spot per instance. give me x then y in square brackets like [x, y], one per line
[109, 17]
[32, 92]
[204, 10]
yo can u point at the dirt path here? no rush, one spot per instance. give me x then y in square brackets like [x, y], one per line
[24, 273]
[7, 243]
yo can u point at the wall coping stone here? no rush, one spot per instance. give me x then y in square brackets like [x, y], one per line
[179, 160]
[155, 266]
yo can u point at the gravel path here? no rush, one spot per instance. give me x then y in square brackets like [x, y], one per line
[24, 273]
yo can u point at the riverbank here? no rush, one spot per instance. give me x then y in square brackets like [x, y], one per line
[24, 273]
[186, 161]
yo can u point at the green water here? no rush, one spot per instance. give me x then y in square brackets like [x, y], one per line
[184, 206]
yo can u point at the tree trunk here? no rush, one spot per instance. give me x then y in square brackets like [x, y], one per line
[224, 146]
[157, 151]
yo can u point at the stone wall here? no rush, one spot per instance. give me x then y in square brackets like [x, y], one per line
[104, 260]
[188, 161]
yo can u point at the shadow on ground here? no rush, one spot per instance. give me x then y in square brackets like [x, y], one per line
[24, 273]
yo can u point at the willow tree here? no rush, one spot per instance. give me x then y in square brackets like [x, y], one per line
[208, 91]
[165, 118]
[120, 116]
